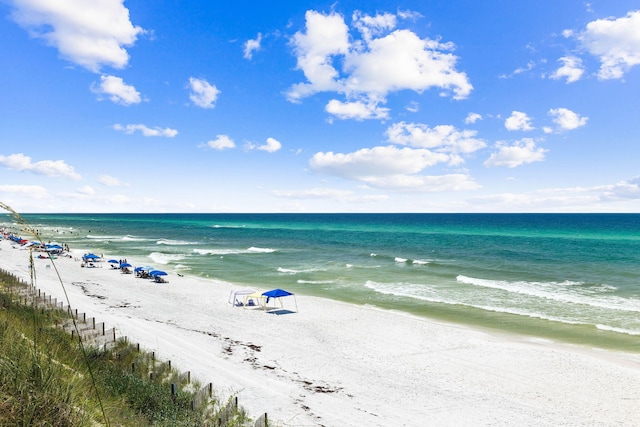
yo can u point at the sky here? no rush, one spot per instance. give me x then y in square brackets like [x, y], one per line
[312, 106]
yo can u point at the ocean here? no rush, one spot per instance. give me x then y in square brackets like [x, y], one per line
[568, 277]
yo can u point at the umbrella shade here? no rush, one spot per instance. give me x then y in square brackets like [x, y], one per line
[157, 273]
[91, 256]
[114, 261]
[126, 264]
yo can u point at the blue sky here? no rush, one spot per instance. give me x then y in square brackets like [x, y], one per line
[405, 106]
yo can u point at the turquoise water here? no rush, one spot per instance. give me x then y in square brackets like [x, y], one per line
[572, 277]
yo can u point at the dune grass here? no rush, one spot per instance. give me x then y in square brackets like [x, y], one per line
[44, 378]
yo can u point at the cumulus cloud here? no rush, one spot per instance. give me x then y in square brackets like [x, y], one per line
[516, 154]
[615, 42]
[370, 26]
[376, 161]
[391, 168]
[251, 46]
[571, 69]
[54, 168]
[146, 131]
[116, 90]
[222, 142]
[382, 60]
[472, 118]
[203, 94]
[442, 138]
[271, 146]
[33, 191]
[567, 119]
[91, 34]
[357, 110]
[518, 121]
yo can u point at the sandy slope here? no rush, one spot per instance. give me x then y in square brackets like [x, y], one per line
[336, 364]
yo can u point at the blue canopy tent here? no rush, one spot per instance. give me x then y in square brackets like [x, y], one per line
[53, 249]
[277, 295]
[89, 260]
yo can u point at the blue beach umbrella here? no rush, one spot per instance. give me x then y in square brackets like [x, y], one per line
[157, 273]
[114, 261]
[126, 264]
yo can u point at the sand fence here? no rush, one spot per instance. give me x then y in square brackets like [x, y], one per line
[95, 334]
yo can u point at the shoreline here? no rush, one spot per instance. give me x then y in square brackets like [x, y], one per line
[337, 364]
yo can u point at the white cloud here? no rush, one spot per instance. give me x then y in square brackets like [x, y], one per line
[443, 138]
[222, 142]
[518, 121]
[110, 181]
[271, 146]
[472, 118]
[424, 183]
[521, 152]
[326, 36]
[251, 46]
[356, 110]
[345, 196]
[402, 60]
[376, 161]
[616, 43]
[571, 199]
[391, 168]
[529, 67]
[370, 26]
[146, 131]
[33, 191]
[413, 107]
[571, 69]
[91, 34]
[567, 119]
[203, 94]
[22, 163]
[87, 190]
[116, 90]
[371, 67]
[624, 190]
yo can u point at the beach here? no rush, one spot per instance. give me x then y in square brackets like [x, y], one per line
[339, 364]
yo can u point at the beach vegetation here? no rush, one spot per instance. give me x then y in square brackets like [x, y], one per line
[49, 377]
[44, 378]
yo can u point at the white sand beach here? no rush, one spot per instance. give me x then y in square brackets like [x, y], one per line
[336, 364]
